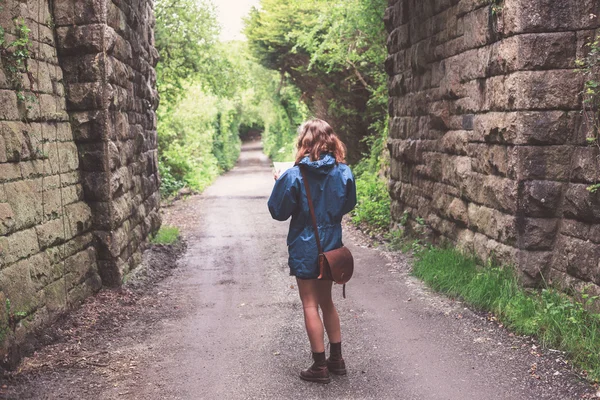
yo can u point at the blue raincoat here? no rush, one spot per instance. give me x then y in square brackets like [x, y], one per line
[333, 193]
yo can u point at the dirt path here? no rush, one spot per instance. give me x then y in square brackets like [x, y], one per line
[228, 324]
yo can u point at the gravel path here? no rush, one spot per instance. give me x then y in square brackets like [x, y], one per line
[231, 323]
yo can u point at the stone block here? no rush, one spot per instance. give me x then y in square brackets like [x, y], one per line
[585, 167]
[16, 284]
[536, 233]
[25, 200]
[51, 233]
[489, 249]
[118, 47]
[120, 182]
[49, 108]
[79, 218]
[63, 132]
[94, 157]
[41, 71]
[84, 68]
[492, 191]
[42, 272]
[492, 223]
[534, 267]
[455, 142]
[533, 52]
[479, 24]
[534, 90]
[10, 172]
[454, 169]
[96, 186]
[576, 257]
[493, 159]
[89, 126]
[58, 253]
[548, 162]
[83, 39]
[529, 127]
[8, 105]
[464, 240]
[580, 204]
[458, 211]
[54, 296]
[63, 157]
[579, 230]
[91, 11]
[80, 266]
[101, 215]
[15, 145]
[398, 39]
[114, 156]
[7, 219]
[88, 96]
[541, 198]
[91, 285]
[122, 207]
[22, 244]
[116, 18]
[521, 16]
[3, 157]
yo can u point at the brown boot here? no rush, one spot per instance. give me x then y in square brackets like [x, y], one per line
[318, 372]
[335, 362]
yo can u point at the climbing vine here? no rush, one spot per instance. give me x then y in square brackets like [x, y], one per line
[589, 66]
[496, 7]
[14, 56]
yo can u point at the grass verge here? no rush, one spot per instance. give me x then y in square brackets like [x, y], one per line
[166, 235]
[557, 320]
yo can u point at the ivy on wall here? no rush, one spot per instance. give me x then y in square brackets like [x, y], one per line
[14, 56]
[589, 66]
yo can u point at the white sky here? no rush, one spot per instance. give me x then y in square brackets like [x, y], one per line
[230, 14]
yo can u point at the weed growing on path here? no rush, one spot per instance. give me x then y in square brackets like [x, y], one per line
[166, 235]
[556, 319]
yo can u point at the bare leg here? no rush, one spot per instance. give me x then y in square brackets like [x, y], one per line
[314, 326]
[331, 318]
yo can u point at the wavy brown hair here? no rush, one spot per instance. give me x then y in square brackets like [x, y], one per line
[316, 136]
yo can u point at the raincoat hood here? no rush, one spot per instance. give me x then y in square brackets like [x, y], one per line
[321, 166]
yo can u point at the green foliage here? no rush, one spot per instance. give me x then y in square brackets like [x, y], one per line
[185, 36]
[334, 52]
[341, 45]
[557, 320]
[589, 66]
[14, 56]
[166, 235]
[373, 207]
[496, 7]
[201, 84]
[282, 114]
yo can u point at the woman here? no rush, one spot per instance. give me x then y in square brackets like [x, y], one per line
[321, 154]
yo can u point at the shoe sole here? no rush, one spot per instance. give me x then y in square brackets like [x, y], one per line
[316, 380]
[338, 371]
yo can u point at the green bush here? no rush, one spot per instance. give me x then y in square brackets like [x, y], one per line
[373, 207]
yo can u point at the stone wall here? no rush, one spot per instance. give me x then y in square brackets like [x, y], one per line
[78, 170]
[107, 55]
[486, 138]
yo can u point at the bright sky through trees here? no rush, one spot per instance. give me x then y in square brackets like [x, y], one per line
[230, 14]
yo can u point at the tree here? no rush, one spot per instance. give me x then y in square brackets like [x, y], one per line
[334, 52]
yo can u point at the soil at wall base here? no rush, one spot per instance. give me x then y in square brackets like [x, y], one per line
[79, 341]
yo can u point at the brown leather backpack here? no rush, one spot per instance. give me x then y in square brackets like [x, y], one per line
[334, 265]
